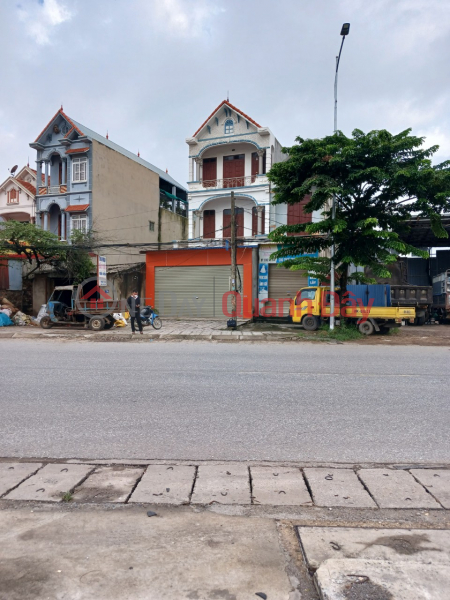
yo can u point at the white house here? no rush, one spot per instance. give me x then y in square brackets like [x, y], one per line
[17, 196]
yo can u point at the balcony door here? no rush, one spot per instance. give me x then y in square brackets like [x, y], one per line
[233, 170]
[209, 224]
[239, 222]
[209, 172]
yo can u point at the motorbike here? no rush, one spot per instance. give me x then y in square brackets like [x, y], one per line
[150, 317]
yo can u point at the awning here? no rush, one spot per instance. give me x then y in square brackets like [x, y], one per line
[77, 208]
[77, 150]
[172, 197]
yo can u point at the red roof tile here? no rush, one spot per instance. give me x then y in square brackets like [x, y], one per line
[232, 107]
[29, 186]
[77, 207]
[75, 150]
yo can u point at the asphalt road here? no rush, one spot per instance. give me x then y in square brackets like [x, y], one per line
[193, 400]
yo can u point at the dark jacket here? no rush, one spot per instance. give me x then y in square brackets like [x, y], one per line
[134, 305]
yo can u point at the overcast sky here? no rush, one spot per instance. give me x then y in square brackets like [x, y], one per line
[151, 71]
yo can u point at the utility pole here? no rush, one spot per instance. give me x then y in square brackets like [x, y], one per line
[344, 31]
[233, 260]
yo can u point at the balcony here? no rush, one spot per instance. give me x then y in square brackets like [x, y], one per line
[230, 182]
[52, 190]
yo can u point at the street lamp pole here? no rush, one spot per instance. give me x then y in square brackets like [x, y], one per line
[344, 31]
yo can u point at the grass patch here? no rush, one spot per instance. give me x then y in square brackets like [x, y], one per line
[67, 497]
[342, 333]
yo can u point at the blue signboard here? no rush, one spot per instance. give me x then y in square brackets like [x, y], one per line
[313, 281]
[263, 282]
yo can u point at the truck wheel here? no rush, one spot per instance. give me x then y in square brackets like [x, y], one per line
[109, 322]
[45, 322]
[420, 321]
[97, 323]
[310, 323]
[366, 328]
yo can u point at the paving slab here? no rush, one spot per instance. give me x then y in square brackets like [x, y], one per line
[279, 486]
[224, 484]
[165, 484]
[124, 555]
[411, 545]
[337, 487]
[50, 483]
[381, 580]
[396, 489]
[108, 484]
[11, 474]
[437, 482]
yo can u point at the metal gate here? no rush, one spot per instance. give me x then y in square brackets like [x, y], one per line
[283, 283]
[195, 292]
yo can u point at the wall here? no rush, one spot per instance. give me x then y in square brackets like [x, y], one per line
[171, 226]
[22, 211]
[125, 197]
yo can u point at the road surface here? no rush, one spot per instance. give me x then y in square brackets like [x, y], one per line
[195, 400]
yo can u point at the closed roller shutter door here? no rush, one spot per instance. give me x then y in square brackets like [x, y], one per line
[192, 291]
[283, 284]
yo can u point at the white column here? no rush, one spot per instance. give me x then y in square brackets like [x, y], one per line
[197, 224]
[259, 210]
[199, 162]
[191, 169]
[260, 161]
[45, 221]
[63, 225]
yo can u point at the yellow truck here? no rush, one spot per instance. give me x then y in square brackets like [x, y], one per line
[311, 306]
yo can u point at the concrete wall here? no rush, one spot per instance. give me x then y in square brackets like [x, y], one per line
[125, 197]
[172, 226]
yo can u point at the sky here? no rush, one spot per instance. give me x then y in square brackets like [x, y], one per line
[150, 71]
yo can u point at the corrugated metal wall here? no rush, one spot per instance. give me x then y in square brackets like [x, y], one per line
[283, 283]
[195, 292]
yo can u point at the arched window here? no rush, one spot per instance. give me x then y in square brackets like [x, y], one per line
[229, 126]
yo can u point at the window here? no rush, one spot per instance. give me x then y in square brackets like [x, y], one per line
[79, 169]
[79, 222]
[12, 197]
[305, 295]
[229, 126]
[151, 225]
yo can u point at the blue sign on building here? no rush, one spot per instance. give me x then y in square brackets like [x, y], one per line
[313, 281]
[263, 282]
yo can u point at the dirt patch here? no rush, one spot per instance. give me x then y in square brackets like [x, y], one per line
[363, 589]
[407, 545]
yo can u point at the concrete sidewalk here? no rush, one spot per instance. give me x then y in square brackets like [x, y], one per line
[215, 330]
[165, 530]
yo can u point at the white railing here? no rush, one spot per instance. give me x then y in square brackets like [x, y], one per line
[54, 189]
[230, 182]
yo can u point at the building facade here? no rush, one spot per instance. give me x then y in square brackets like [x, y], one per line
[17, 196]
[91, 183]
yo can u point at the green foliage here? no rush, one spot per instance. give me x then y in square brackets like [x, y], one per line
[345, 332]
[380, 181]
[45, 249]
[67, 497]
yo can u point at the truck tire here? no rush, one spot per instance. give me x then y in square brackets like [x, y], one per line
[97, 323]
[420, 321]
[310, 323]
[109, 322]
[366, 328]
[45, 322]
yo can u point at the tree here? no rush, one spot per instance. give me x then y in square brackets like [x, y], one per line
[43, 248]
[379, 180]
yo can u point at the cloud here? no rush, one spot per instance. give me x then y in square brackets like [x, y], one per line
[40, 19]
[183, 17]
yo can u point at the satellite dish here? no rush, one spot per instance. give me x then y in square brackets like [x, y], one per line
[14, 169]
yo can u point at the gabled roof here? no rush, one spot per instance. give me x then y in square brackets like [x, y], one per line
[232, 108]
[29, 186]
[63, 114]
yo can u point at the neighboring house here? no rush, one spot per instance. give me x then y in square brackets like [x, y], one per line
[93, 183]
[229, 152]
[17, 196]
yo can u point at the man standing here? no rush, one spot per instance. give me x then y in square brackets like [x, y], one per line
[134, 303]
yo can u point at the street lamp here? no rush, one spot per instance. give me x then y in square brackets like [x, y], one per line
[344, 31]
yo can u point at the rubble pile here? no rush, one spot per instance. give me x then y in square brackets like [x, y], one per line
[10, 315]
